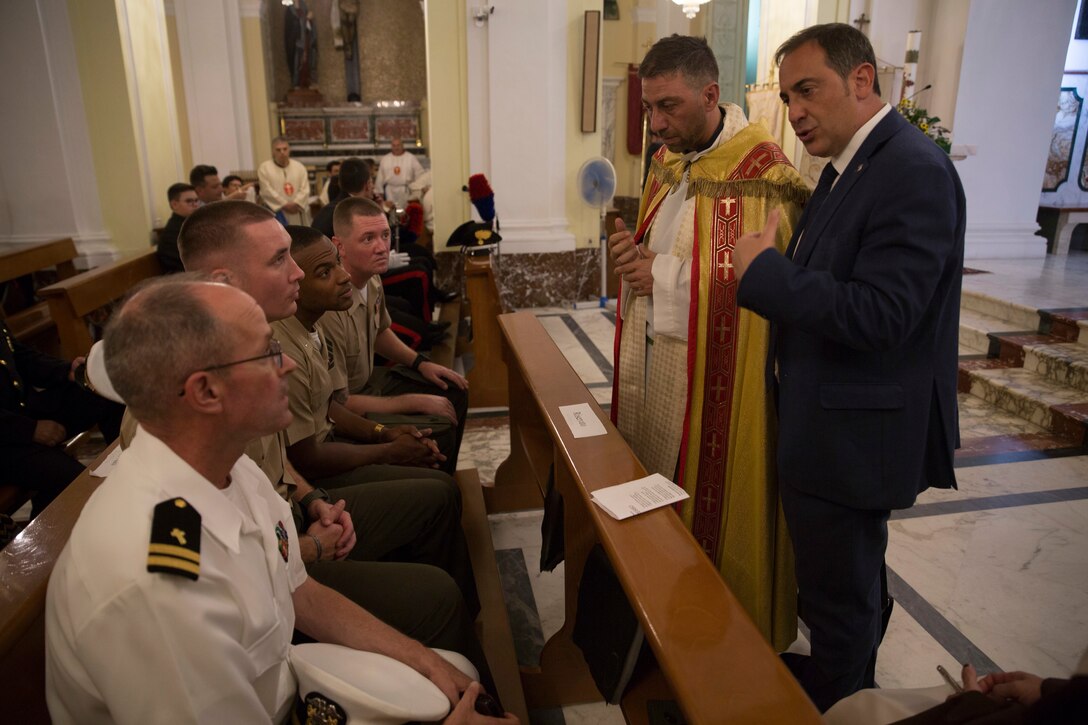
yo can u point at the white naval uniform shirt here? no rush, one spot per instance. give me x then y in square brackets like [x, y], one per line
[127, 645]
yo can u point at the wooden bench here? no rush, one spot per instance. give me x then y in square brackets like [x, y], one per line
[19, 260]
[494, 621]
[487, 378]
[25, 566]
[72, 299]
[711, 659]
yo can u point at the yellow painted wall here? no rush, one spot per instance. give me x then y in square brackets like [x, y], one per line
[447, 99]
[179, 94]
[622, 45]
[584, 220]
[152, 103]
[96, 37]
[260, 121]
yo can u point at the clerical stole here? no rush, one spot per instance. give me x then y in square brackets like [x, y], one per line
[719, 443]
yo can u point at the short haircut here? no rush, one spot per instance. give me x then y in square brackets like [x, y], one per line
[233, 177]
[846, 48]
[176, 190]
[280, 139]
[353, 175]
[200, 172]
[691, 57]
[344, 217]
[334, 162]
[303, 237]
[216, 228]
[163, 333]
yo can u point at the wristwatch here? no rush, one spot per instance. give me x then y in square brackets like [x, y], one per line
[316, 494]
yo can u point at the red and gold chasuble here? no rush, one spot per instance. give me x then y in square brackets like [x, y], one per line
[725, 455]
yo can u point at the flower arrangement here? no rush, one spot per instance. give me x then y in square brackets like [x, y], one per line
[920, 118]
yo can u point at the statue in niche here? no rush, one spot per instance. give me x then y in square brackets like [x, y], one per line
[345, 16]
[300, 38]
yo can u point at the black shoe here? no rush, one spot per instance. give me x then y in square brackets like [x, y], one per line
[438, 326]
[443, 296]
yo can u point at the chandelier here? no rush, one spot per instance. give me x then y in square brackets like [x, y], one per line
[690, 7]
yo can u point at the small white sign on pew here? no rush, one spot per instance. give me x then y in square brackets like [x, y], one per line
[581, 419]
[639, 496]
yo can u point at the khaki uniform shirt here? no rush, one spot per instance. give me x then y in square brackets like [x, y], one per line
[353, 334]
[309, 384]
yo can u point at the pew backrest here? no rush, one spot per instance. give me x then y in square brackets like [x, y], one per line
[713, 659]
[73, 299]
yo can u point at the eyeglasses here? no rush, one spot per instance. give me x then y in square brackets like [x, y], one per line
[275, 351]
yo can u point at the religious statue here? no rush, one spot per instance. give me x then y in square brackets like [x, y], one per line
[345, 16]
[300, 38]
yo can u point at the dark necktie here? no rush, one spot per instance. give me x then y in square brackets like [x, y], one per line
[819, 195]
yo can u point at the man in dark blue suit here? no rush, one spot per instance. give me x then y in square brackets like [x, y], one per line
[864, 308]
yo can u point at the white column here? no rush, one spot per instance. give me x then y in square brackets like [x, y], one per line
[213, 71]
[1013, 57]
[527, 76]
[47, 180]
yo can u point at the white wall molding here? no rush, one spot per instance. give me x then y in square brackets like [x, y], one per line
[1003, 241]
[527, 78]
[213, 74]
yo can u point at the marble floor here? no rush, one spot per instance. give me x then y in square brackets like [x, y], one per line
[995, 573]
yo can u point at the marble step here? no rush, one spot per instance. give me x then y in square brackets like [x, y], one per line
[1062, 363]
[1082, 327]
[975, 329]
[1015, 315]
[1052, 406]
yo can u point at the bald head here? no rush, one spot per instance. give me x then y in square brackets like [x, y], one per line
[164, 332]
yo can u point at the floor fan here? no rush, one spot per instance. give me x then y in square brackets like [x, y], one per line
[597, 186]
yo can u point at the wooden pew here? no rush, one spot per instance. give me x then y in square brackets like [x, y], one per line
[19, 260]
[487, 378]
[25, 566]
[494, 621]
[71, 300]
[711, 658]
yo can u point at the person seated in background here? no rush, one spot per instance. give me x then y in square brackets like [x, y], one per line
[327, 442]
[183, 201]
[414, 283]
[235, 189]
[364, 331]
[207, 615]
[41, 405]
[329, 188]
[205, 179]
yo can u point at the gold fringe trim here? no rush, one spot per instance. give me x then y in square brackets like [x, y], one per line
[784, 190]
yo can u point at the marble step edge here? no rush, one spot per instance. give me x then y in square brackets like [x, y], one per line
[975, 328]
[1016, 315]
[1034, 403]
[1063, 363]
[1069, 323]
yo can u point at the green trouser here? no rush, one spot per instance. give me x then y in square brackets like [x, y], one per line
[410, 565]
[401, 380]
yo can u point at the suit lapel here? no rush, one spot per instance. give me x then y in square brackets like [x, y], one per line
[814, 228]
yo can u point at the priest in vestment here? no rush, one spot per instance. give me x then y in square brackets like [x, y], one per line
[690, 393]
[285, 185]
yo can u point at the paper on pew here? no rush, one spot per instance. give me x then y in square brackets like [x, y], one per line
[107, 465]
[636, 497]
[581, 419]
